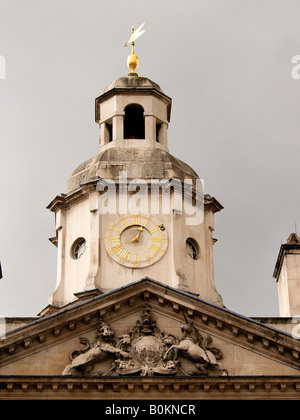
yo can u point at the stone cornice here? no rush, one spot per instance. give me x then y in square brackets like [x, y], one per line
[284, 249]
[64, 201]
[150, 388]
[210, 203]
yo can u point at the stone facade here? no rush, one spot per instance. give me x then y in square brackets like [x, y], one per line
[122, 326]
[149, 341]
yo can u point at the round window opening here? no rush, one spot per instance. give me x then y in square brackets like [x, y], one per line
[78, 248]
[192, 248]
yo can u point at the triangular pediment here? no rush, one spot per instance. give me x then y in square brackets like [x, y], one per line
[151, 330]
[176, 315]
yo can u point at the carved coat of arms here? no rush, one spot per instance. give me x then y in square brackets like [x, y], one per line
[146, 351]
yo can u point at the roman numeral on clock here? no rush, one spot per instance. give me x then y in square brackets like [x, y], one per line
[154, 248]
[156, 228]
[136, 220]
[118, 248]
[125, 257]
[136, 260]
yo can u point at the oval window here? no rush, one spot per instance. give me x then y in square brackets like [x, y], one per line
[78, 248]
[192, 248]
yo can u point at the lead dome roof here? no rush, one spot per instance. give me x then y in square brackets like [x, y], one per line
[142, 163]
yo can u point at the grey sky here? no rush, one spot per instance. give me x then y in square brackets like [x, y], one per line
[235, 120]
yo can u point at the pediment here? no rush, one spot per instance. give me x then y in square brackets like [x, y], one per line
[147, 329]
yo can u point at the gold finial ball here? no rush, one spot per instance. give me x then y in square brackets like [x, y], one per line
[132, 62]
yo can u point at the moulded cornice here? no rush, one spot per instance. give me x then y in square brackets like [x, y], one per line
[284, 249]
[137, 388]
[210, 203]
[64, 201]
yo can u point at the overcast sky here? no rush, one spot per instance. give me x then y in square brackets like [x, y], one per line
[235, 120]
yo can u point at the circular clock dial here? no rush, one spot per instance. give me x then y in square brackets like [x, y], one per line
[136, 241]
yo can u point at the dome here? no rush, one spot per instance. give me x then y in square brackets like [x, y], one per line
[139, 163]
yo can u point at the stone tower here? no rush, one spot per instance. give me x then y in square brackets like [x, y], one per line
[163, 227]
[135, 313]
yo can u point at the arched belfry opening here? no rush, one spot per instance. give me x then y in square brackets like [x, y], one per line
[134, 122]
[133, 108]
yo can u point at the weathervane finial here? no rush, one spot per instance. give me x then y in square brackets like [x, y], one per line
[133, 60]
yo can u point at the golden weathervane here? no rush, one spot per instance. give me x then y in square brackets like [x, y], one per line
[133, 60]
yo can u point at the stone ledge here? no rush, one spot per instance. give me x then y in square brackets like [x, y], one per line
[172, 388]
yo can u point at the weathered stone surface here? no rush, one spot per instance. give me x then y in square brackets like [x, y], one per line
[287, 274]
[144, 349]
[139, 162]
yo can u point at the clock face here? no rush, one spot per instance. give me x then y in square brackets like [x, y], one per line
[136, 241]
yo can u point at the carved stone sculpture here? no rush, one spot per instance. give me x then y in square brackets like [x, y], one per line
[103, 345]
[148, 345]
[193, 346]
[146, 351]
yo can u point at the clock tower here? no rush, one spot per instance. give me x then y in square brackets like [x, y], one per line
[135, 313]
[133, 210]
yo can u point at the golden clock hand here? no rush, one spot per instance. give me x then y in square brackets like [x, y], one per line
[136, 238]
[139, 231]
[132, 240]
